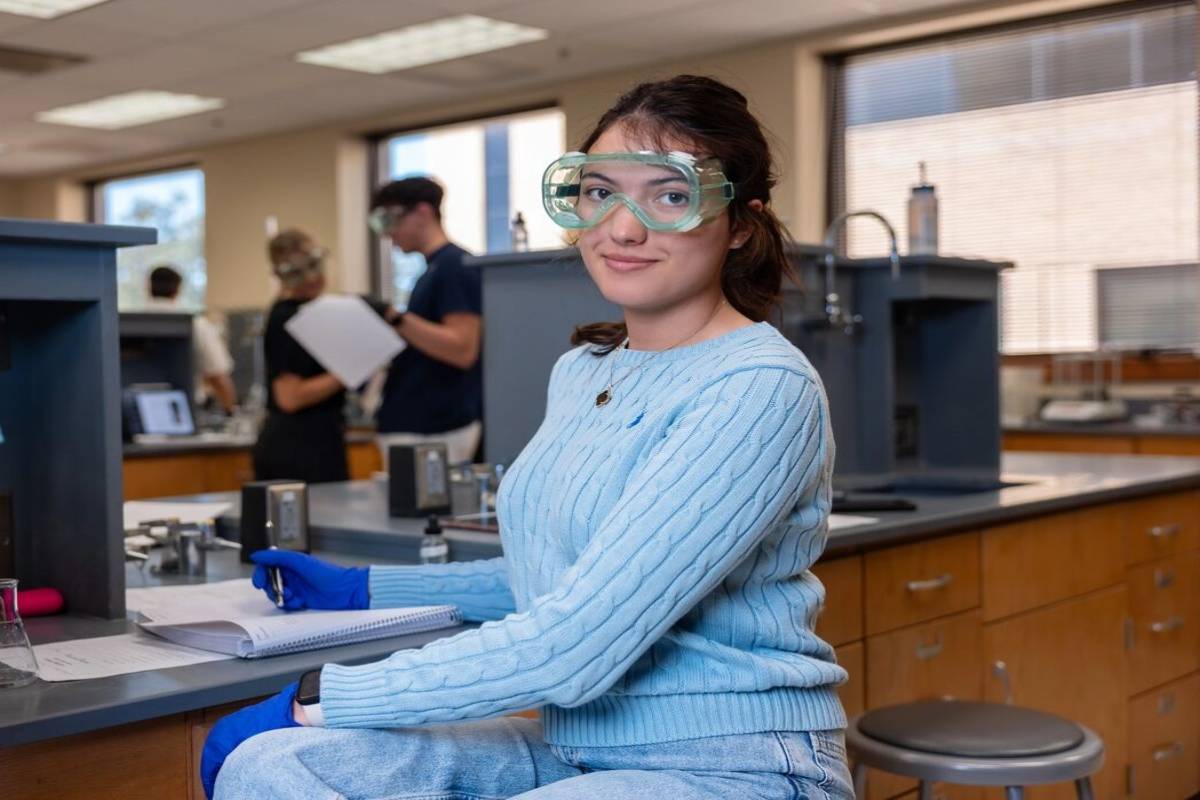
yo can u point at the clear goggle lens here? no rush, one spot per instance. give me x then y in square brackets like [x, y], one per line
[382, 219]
[665, 191]
[300, 267]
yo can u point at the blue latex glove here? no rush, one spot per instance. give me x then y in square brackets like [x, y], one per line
[230, 731]
[310, 582]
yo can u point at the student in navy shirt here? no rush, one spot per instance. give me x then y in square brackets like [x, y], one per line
[434, 390]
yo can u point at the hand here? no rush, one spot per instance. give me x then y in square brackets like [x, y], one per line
[310, 582]
[230, 731]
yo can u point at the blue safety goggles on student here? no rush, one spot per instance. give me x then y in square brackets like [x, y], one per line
[665, 191]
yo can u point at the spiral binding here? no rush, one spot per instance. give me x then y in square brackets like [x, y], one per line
[417, 622]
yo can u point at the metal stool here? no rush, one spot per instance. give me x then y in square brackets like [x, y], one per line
[977, 744]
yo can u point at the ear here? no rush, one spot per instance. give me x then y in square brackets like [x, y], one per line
[741, 231]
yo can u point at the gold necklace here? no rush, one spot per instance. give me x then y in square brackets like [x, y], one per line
[605, 396]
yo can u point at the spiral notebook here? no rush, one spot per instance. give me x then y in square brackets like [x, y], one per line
[234, 618]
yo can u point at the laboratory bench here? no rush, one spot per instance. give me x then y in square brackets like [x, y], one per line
[215, 463]
[1074, 589]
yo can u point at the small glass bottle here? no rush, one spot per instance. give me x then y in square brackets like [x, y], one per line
[434, 549]
[520, 235]
[18, 665]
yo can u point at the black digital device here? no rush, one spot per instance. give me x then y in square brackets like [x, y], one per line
[418, 480]
[308, 693]
[274, 514]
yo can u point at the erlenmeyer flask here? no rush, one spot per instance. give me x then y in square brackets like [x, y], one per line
[18, 666]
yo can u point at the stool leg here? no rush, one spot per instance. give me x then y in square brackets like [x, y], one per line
[925, 791]
[1083, 788]
[1014, 793]
[860, 780]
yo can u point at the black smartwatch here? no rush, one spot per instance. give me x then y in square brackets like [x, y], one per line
[309, 691]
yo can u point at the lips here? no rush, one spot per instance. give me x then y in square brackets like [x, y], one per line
[621, 262]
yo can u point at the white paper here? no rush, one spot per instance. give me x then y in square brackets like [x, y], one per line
[848, 521]
[345, 336]
[138, 511]
[199, 602]
[78, 659]
[233, 617]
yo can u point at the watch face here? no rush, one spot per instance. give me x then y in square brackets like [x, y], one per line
[309, 692]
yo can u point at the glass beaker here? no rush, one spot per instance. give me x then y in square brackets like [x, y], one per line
[18, 666]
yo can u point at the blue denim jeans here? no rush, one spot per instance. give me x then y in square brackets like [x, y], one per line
[507, 758]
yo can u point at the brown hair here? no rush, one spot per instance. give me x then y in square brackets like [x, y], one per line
[285, 243]
[716, 120]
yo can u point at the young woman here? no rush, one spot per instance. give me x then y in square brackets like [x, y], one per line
[654, 600]
[303, 436]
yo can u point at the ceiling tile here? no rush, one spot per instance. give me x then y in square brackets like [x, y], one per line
[177, 18]
[156, 67]
[561, 17]
[70, 37]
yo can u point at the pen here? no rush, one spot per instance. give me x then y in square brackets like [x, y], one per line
[276, 574]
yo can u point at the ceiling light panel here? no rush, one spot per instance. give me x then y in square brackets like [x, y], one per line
[426, 43]
[129, 109]
[45, 9]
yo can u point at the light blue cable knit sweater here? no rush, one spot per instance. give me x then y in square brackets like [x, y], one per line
[655, 577]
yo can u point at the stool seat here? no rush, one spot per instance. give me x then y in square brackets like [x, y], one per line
[978, 730]
[976, 744]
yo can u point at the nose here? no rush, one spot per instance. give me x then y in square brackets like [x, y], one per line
[624, 226]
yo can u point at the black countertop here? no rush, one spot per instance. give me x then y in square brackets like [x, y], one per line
[350, 520]
[352, 517]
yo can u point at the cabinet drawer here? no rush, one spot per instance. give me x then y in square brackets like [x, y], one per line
[942, 658]
[1164, 741]
[1040, 561]
[841, 618]
[918, 582]
[1161, 526]
[852, 692]
[1164, 608]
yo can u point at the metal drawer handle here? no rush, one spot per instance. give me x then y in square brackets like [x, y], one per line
[1169, 751]
[940, 582]
[1164, 577]
[1161, 531]
[1000, 672]
[1167, 625]
[927, 652]
[1166, 703]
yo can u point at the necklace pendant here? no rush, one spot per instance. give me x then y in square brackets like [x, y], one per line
[603, 398]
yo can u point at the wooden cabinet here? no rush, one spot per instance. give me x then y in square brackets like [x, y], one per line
[1041, 560]
[853, 691]
[1157, 527]
[1164, 741]
[364, 460]
[921, 581]
[145, 759]
[1164, 620]
[217, 471]
[943, 658]
[1068, 659]
[1068, 442]
[841, 618]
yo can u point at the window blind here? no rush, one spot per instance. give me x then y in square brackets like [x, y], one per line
[1067, 146]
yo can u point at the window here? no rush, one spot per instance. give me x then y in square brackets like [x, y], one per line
[491, 170]
[172, 202]
[1066, 146]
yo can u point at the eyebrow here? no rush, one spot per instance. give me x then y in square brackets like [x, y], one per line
[656, 182]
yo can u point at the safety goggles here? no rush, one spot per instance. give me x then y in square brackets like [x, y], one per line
[382, 219]
[301, 266]
[665, 191]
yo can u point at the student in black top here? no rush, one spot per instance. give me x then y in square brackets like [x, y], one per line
[303, 437]
[434, 390]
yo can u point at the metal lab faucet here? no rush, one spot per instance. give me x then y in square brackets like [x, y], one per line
[835, 315]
